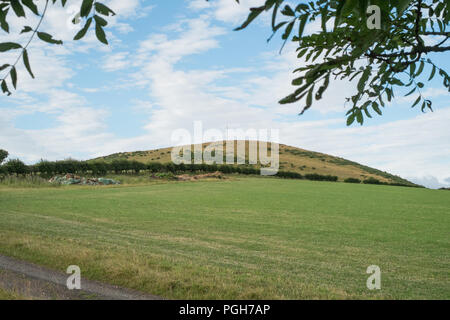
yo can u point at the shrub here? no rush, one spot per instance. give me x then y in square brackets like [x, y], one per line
[98, 167]
[45, 167]
[372, 181]
[15, 166]
[318, 177]
[289, 175]
[352, 180]
[137, 166]
[154, 166]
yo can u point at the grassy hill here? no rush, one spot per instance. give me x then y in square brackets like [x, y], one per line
[291, 159]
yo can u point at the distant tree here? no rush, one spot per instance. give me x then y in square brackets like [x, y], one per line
[352, 180]
[382, 43]
[46, 167]
[3, 155]
[15, 166]
[90, 11]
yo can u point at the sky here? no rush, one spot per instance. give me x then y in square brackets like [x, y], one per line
[171, 63]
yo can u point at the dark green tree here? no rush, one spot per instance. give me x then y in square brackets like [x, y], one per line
[15, 166]
[3, 155]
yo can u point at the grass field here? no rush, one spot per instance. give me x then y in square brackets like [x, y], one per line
[246, 238]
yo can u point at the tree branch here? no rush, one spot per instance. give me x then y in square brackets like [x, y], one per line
[28, 43]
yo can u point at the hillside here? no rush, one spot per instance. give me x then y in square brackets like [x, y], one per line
[291, 159]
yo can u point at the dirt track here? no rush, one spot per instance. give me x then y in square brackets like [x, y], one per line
[31, 281]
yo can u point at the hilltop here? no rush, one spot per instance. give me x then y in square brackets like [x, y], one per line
[291, 159]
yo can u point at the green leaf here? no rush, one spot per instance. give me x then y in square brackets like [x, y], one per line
[422, 65]
[26, 29]
[339, 8]
[254, 12]
[351, 119]
[288, 30]
[30, 5]
[17, 7]
[376, 108]
[83, 31]
[26, 62]
[86, 7]
[301, 28]
[6, 46]
[48, 38]
[411, 92]
[309, 100]
[416, 102]
[5, 89]
[401, 6]
[287, 11]
[100, 20]
[364, 107]
[3, 24]
[359, 116]
[362, 82]
[13, 74]
[3, 67]
[101, 36]
[433, 72]
[412, 69]
[104, 10]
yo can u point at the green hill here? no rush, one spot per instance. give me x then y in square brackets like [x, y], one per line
[291, 159]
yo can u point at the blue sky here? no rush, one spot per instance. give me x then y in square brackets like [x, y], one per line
[171, 63]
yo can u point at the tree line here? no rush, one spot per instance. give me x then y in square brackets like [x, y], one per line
[49, 168]
[123, 166]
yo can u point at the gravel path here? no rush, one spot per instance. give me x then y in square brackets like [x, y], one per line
[31, 281]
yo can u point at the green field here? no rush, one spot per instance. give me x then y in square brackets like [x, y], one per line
[242, 238]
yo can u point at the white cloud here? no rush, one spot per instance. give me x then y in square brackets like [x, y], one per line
[116, 61]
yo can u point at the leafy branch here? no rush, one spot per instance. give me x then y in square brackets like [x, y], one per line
[352, 50]
[88, 10]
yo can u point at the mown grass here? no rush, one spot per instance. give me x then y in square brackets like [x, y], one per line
[246, 238]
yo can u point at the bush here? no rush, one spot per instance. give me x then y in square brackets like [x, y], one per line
[289, 175]
[154, 166]
[45, 167]
[137, 166]
[372, 181]
[318, 177]
[15, 166]
[98, 167]
[352, 180]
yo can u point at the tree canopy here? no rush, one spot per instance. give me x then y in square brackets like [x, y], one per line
[382, 58]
